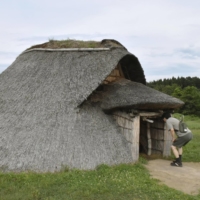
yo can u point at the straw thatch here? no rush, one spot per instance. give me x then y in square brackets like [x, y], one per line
[41, 127]
[47, 118]
[59, 44]
[129, 94]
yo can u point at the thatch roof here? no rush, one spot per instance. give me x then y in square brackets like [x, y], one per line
[59, 44]
[129, 94]
[79, 72]
[41, 126]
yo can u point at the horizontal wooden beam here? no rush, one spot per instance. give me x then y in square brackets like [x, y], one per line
[150, 114]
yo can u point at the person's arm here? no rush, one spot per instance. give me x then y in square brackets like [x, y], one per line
[173, 134]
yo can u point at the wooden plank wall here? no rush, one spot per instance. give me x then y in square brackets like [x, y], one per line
[114, 75]
[167, 142]
[130, 128]
[136, 136]
[161, 139]
[135, 132]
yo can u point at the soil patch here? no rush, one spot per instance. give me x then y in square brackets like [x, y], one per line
[185, 179]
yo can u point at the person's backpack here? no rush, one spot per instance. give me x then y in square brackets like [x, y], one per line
[182, 125]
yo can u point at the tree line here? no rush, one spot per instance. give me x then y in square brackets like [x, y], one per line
[186, 89]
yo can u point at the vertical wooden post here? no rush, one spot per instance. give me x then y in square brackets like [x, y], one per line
[167, 142]
[149, 139]
[135, 138]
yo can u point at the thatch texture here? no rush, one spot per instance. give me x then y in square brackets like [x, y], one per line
[64, 137]
[58, 44]
[129, 94]
[41, 127]
[47, 120]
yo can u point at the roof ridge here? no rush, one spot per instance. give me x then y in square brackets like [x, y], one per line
[67, 49]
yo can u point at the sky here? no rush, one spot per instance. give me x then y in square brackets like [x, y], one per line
[163, 34]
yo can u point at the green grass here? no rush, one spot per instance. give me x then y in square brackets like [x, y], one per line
[125, 181]
[192, 121]
[191, 152]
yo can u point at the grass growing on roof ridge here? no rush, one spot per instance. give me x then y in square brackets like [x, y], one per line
[69, 43]
[56, 44]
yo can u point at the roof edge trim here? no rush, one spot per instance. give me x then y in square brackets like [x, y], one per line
[68, 49]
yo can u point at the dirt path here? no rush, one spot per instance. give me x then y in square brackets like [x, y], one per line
[185, 179]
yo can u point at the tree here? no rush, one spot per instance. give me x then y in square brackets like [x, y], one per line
[191, 96]
[186, 89]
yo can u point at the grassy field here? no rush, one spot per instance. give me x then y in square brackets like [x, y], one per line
[125, 181]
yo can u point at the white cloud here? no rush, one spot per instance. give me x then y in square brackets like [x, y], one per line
[162, 34]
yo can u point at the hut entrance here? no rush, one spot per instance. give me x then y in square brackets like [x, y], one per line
[145, 133]
[154, 138]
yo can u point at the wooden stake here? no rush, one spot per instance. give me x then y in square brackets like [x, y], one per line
[135, 138]
[149, 138]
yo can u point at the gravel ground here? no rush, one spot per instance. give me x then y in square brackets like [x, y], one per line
[185, 179]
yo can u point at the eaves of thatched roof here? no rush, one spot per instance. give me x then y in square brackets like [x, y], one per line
[128, 94]
[71, 74]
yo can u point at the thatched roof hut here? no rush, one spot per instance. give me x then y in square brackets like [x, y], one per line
[76, 104]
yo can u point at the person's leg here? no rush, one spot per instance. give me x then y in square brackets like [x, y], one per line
[178, 143]
[180, 151]
[175, 151]
[177, 148]
[177, 162]
[182, 142]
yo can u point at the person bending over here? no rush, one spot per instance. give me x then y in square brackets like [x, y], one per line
[179, 139]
